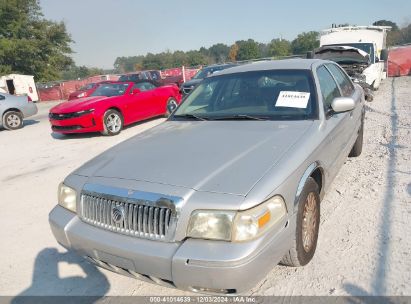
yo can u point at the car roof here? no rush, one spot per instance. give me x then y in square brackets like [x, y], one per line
[223, 65]
[284, 64]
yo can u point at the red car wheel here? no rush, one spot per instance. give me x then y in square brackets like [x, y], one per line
[112, 122]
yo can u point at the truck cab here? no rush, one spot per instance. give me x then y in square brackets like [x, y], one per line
[369, 39]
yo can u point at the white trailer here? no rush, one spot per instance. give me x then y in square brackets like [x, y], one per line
[371, 39]
[17, 84]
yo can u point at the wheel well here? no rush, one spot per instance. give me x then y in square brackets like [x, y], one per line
[11, 109]
[317, 175]
[115, 108]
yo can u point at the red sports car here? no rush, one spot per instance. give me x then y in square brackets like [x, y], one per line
[114, 105]
[84, 91]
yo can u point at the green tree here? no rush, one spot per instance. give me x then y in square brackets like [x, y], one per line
[218, 52]
[179, 59]
[279, 48]
[394, 35]
[394, 26]
[405, 34]
[248, 50]
[152, 62]
[30, 44]
[306, 41]
[195, 58]
[80, 72]
[128, 64]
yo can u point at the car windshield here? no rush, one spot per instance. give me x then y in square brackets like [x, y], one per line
[366, 47]
[270, 95]
[111, 89]
[207, 71]
[87, 87]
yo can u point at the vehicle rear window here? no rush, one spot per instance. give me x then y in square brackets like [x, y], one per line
[270, 94]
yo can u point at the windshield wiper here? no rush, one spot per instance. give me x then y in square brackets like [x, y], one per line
[192, 116]
[240, 117]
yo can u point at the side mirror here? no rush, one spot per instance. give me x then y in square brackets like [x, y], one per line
[342, 104]
[384, 55]
[136, 91]
[171, 107]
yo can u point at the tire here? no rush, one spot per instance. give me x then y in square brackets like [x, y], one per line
[374, 86]
[171, 102]
[112, 122]
[357, 148]
[303, 249]
[12, 120]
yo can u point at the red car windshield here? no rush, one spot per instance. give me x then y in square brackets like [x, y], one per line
[87, 87]
[111, 89]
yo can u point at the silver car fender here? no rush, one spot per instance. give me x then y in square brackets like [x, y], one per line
[308, 172]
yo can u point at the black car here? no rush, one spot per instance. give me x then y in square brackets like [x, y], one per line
[141, 75]
[203, 73]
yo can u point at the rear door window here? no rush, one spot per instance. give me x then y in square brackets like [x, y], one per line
[328, 86]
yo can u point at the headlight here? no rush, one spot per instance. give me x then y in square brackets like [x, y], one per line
[237, 226]
[67, 197]
[81, 95]
[358, 78]
[211, 224]
[84, 112]
[254, 222]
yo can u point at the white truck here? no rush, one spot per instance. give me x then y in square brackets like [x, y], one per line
[16, 84]
[369, 39]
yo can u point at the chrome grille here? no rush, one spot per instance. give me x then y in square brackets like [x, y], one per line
[139, 218]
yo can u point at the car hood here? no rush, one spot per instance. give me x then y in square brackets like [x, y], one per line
[341, 54]
[213, 156]
[77, 104]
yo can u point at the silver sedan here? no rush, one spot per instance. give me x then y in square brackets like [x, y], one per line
[13, 110]
[226, 188]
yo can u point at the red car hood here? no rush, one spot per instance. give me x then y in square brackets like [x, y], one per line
[77, 104]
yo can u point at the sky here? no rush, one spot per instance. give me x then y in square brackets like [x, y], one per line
[103, 30]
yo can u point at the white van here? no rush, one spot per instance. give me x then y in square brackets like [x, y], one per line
[16, 84]
[370, 39]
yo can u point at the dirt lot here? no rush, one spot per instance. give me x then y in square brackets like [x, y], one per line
[365, 235]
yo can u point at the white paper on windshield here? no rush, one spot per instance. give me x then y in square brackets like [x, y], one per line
[292, 99]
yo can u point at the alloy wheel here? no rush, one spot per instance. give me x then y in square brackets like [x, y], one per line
[13, 120]
[113, 123]
[310, 222]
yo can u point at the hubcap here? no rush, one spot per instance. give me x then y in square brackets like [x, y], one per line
[13, 120]
[113, 123]
[310, 222]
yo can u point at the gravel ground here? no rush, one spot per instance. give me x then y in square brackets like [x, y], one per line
[365, 237]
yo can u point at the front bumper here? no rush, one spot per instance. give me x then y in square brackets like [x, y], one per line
[196, 265]
[84, 124]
